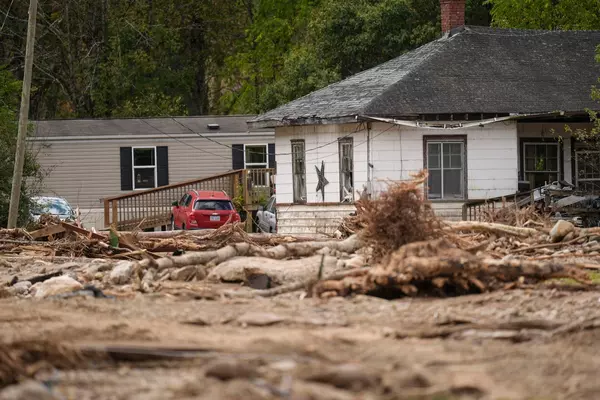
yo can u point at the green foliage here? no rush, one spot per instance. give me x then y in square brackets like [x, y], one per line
[10, 88]
[139, 58]
[546, 14]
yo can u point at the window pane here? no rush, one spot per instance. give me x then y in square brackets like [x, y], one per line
[434, 184]
[433, 155]
[552, 164]
[446, 158]
[143, 157]
[213, 205]
[529, 150]
[452, 148]
[144, 178]
[456, 161]
[552, 150]
[530, 164]
[540, 150]
[256, 154]
[453, 183]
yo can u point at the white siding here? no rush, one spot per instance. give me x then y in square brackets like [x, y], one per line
[396, 152]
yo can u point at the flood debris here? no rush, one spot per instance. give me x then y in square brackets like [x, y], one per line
[393, 246]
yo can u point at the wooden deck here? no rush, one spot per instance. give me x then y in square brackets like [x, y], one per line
[152, 208]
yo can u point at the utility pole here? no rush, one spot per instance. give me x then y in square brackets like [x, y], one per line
[13, 211]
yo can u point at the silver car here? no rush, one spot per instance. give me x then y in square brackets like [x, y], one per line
[56, 206]
[267, 216]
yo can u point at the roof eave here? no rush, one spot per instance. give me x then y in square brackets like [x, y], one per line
[274, 123]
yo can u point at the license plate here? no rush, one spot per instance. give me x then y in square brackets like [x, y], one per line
[215, 218]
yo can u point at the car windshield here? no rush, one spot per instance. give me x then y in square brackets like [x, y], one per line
[213, 205]
[51, 206]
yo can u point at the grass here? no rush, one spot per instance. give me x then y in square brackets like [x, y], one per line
[593, 275]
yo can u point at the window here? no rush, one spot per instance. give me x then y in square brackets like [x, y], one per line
[541, 163]
[299, 171]
[587, 164]
[346, 155]
[256, 156]
[185, 200]
[270, 207]
[144, 168]
[445, 161]
[213, 205]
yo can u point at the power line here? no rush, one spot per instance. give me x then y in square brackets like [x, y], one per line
[274, 154]
[353, 147]
[280, 154]
[184, 143]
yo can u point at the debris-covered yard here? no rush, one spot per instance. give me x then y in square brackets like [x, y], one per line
[401, 305]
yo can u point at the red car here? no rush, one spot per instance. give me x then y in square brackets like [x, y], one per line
[199, 209]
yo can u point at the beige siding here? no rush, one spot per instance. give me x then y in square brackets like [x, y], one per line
[85, 171]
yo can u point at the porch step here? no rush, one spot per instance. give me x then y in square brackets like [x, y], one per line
[311, 220]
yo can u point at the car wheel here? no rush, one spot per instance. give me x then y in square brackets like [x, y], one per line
[183, 227]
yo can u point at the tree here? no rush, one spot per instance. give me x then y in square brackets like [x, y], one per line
[546, 14]
[10, 89]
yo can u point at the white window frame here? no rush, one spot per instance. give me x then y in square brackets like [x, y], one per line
[558, 171]
[257, 165]
[463, 157]
[577, 178]
[133, 167]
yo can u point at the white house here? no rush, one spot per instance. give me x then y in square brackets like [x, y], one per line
[482, 109]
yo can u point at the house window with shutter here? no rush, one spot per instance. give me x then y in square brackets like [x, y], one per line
[299, 171]
[255, 156]
[144, 167]
[346, 170]
[445, 160]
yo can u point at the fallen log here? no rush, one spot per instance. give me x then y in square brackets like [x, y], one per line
[206, 234]
[288, 250]
[489, 227]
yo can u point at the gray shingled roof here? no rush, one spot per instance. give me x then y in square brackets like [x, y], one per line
[235, 124]
[472, 70]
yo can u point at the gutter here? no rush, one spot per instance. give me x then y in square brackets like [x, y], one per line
[458, 125]
[271, 123]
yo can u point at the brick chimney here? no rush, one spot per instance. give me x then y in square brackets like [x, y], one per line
[453, 14]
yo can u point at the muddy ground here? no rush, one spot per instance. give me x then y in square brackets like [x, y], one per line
[162, 346]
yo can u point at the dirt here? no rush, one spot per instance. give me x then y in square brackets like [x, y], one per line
[163, 346]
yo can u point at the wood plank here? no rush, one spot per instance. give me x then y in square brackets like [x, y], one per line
[82, 231]
[47, 231]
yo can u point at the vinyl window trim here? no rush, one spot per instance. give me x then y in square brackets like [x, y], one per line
[133, 166]
[264, 165]
[465, 168]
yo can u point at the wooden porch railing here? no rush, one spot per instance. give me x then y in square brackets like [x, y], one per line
[152, 208]
[475, 209]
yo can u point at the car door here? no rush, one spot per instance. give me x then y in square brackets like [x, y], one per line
[267, 216]
[178, 211]
[271, 217]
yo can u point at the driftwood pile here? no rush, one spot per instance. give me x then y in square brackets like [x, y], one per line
[397, 247]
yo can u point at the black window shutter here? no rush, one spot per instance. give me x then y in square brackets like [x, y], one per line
[126, 169]
[271, 148]
[162, 165]
[237, 156]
